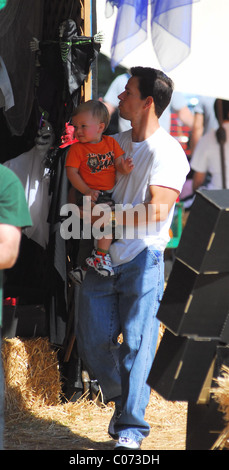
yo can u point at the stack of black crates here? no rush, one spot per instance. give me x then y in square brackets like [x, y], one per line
[195, 305]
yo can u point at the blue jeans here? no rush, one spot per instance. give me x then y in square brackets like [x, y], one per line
[126, 302]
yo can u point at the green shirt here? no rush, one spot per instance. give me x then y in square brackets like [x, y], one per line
[13, 208]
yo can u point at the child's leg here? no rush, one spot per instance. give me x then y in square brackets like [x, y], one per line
[103, 245]
[100, 259]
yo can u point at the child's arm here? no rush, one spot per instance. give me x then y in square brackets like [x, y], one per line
[78, 183]
[124, 166]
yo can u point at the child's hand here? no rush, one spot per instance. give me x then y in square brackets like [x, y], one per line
[93, 193]
[127, 165]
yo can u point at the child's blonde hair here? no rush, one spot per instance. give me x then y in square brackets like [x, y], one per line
[97, 108]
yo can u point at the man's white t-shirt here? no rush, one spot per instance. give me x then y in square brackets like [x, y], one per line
[159, 160]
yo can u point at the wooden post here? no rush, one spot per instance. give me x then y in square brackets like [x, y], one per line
[86, 31]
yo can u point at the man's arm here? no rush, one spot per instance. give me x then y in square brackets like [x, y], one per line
[10, 238]
[156, 210]
[162, 199]
[197, 130]
[198, 179]
[186, 116]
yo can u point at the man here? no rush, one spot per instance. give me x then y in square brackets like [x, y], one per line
[206, 159]
[177, 105]
[14, 215]
[127, 303]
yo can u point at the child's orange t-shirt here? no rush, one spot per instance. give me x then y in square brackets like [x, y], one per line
[95, 162]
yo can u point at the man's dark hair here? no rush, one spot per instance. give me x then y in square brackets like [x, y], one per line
[155, 83]
[224, 109]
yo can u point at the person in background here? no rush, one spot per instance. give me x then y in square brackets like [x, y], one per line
[206, 157]
[179, 106]
[14, 215]
[111, 100]
[127, 302]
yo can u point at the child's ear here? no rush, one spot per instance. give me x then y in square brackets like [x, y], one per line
[101, 127]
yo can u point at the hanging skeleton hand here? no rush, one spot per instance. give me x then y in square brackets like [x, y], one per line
[34, 45]
[99, 37]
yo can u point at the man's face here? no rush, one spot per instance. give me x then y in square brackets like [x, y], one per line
[131, 103]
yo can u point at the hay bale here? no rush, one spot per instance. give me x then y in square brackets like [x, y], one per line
[221, 396]
[36, 417]
[31, 373]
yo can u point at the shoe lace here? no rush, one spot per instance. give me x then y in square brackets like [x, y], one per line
[125, 439]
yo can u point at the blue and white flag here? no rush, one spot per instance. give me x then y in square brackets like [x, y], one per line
[171, 27]
[171, 23]
[130, 28]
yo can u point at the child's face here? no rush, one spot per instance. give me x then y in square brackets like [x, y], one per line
[87, 127]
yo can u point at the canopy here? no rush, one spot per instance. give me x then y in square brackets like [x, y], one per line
[205, 71]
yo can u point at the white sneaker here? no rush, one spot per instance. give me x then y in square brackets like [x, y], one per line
[77, 275]
[101, 263]
[127, 443]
